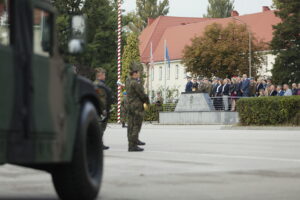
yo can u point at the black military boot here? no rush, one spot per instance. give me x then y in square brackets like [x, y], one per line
[123, 125]
[105, 147]
[141, 143]
[136, 148]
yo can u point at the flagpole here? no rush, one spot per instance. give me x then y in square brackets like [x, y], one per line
[151, 70]
[165, 86]
[119, 57]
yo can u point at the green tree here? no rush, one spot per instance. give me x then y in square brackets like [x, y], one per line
[101, 37]
[286, 42]
[149, 9]
[222, 52]
[131, 54]
[219, 8]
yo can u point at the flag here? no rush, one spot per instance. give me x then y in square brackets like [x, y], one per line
[167, 57]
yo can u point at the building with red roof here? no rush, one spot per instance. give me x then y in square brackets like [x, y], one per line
[177, 32]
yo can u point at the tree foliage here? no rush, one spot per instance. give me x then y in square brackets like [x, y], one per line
[131, 54]
[222, 52]
[149, 9]
[101, 37]
[219, 8]
[286, 42]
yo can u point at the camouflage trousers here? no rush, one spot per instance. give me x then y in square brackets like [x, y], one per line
[102, 125]
[135, 120]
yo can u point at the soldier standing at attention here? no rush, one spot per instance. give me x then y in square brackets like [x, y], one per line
[136, 99]
[105, 97]
[124, 104]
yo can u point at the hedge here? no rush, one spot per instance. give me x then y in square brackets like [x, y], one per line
[150, 115]
[269, 110]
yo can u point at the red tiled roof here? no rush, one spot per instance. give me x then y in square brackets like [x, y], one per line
[178, 36]
[154, 32]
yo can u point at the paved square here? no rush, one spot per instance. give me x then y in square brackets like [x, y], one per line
[183, 163]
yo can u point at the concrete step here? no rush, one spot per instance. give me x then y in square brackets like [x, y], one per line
[199, 118]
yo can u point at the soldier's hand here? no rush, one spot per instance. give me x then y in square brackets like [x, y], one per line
[146, 106]
[104, 113]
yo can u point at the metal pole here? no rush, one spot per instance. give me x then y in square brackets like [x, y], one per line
[119, 57]
[250, 56]
[165, 86]
[150, 72]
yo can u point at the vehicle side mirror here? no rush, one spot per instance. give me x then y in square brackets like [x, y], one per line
[77, 41]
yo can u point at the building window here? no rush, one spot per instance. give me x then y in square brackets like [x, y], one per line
[168, 72]
[177, 72]
[160, 73]
[184, 74]
[152, 73]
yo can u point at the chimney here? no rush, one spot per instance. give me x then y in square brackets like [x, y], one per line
[266, 8]
[150, 21]
[234, 13]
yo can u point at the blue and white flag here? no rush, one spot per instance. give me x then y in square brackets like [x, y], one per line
[167, 57]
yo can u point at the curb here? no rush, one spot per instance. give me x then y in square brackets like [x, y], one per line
[275, 128]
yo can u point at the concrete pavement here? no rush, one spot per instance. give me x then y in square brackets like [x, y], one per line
[184, 162]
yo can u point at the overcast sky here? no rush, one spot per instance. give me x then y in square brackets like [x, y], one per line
[196, 8]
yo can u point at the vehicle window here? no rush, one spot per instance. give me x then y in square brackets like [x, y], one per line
[4, 26]
[42, 29]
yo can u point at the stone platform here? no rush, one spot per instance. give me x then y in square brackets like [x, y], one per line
[198, 118]
[197, 108]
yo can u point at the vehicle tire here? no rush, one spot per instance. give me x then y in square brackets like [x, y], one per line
[81, 179]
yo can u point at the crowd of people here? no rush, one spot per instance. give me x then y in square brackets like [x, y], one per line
[225, 92]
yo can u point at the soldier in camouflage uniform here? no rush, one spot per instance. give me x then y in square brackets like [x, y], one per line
[105, 97]
[124, 104]
[136, 98]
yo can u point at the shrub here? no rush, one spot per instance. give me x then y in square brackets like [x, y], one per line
[269, 110]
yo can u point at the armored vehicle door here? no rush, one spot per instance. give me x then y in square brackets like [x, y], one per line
[48, 98]
[31, 103]
[6, 79]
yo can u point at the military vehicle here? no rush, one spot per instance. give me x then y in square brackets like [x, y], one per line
[48, 114]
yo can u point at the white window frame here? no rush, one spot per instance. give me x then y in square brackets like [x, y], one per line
[168, 72]
[177, 72]
[160, 73]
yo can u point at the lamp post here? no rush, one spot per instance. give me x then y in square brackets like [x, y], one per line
[250, 47]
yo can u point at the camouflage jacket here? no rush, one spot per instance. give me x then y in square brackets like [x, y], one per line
[135, 95]
[124, 104]
[104, 94]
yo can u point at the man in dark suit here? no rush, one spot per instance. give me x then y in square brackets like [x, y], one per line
[195, 85]
[239, 86]
[189, 85]
[259, 86]
[214, 87]
[245, 86]
[294, 89]
[273, 91]
[280, 92]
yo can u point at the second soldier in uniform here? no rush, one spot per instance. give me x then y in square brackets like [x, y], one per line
[124, 104]
[136, 99]
[105, 97]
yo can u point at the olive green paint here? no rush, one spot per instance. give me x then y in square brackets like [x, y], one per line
[43, 125]
[56, 99]
[7, 94]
